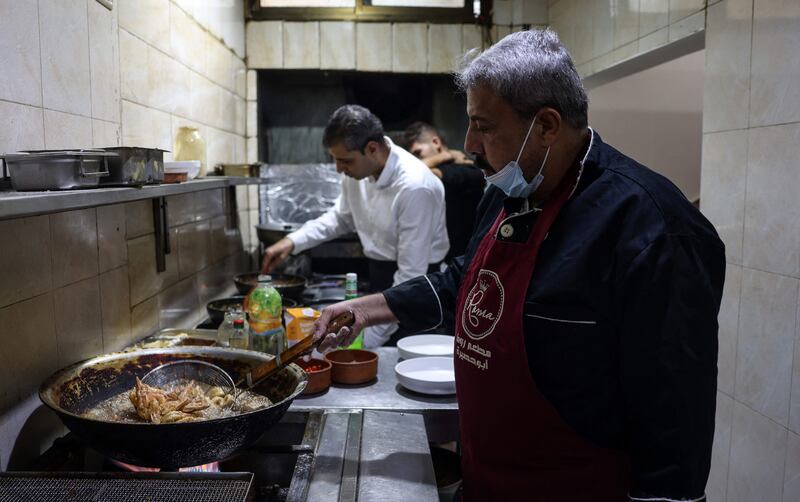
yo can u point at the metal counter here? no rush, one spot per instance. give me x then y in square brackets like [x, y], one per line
[386, 394]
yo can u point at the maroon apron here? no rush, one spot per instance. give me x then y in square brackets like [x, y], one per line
[515, 446]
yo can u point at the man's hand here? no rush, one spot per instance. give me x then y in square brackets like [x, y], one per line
[275, 254]
[460, 157]
[368, 311]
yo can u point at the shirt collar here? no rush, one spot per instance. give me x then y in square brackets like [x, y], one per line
[590, 151]
[390, 168]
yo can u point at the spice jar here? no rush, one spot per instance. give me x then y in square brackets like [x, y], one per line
[190, 145]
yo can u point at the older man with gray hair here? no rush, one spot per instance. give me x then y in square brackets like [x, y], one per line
[585, 307]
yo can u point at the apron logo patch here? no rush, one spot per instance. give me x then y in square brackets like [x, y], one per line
[484, 305]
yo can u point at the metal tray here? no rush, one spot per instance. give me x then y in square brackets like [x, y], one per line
[57, 169]
[134, 166]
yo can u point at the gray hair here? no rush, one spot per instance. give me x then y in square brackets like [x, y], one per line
[355, 125]
[529, 69]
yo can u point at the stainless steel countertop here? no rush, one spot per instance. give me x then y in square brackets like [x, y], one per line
[383, 393]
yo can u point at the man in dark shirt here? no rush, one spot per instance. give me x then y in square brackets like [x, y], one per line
[585, 307]
[463, 182]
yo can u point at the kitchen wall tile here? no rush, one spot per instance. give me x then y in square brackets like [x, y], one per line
[240, 148]
[654, 40]
[791, 477]
[625, 52]
[104, 61]
[115, 309]
[337, 45]
[133, 68]
[626, 23]
[74, 245]
[253, 217]
[766, 343]
[409, 47]
[602, 29]
[228, 101]
[178, 304]
[722, 187]
[252, 196]
[679, 9]
[187, 40]
[558, 8]
[146, 127]
[242, 200]
[720, 453]
[111, 237]
[79, 326]
[220, 69]
[239, 76]
[193, 248]
[218, 239]
[180, 209]
[30, 347]
[23, 129]
[233, 26]
[212, 283]
[503, 12]
[301, 44]
[144, 319]
[63, 29]
[530, 12]
[252, 119]
[219, 147]
[138, 218]
[794, 405]
[653, 15]
[64, 130]
[252, 150]
[204, 99]
[25, 265]
[105, 133]
[444, 42]
[19, 46]
[240, 117]
[729, 329]
[243, 218]
[175, 89]
[774, 93]
[772, 208]
[727, 74]
[144, 280]
[264, 44]
[581, 49]
[148, 20]
[758, 452]
[208, 203]
[500, 32]
[158, 67]
[687, 26]
[471, 37]
[252, 85]
[374, 47]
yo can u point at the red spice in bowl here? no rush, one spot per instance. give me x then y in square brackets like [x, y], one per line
[319, 375]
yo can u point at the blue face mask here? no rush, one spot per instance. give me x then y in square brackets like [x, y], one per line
[510, 179]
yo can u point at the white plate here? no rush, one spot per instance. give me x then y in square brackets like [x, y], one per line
[425, 346]
[428, 375]
[191, 167]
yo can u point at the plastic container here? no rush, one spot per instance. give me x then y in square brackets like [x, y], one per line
[190, 145]
[265, 310]
[240, 336]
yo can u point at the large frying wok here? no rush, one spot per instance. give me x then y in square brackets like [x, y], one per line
[80, 387]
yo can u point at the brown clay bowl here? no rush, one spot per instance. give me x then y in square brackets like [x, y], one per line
[319, 375]
[353, 366]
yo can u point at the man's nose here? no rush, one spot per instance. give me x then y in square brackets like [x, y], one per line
[472, 143]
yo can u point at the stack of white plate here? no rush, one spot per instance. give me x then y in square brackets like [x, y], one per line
[427, 365]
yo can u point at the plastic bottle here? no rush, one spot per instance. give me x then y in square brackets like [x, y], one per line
[264, 308]
[224, 331]
[240, 336]
[350, 292]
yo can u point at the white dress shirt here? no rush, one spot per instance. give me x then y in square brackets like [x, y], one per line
[400, 217]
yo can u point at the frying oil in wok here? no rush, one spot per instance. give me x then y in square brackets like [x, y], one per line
[185, 401]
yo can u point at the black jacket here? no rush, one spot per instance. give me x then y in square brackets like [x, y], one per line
[463, 190]
[620, 318]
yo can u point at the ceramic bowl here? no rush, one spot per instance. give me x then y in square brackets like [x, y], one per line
[428, 375]
[425, 346]
[319, 375]
[353, 366]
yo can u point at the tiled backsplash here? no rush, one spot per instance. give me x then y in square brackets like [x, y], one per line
[81, 283]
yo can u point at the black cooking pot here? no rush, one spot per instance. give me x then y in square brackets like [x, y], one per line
[80, 387]
[217, 308]
[288, 285]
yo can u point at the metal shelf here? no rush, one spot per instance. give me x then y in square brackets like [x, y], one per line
[15, 204]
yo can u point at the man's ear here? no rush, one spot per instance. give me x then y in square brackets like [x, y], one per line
[437, 143]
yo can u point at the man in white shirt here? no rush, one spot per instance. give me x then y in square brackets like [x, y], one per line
[389, 197]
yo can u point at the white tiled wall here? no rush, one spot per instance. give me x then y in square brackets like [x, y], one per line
[602, 33]
[749, 191]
